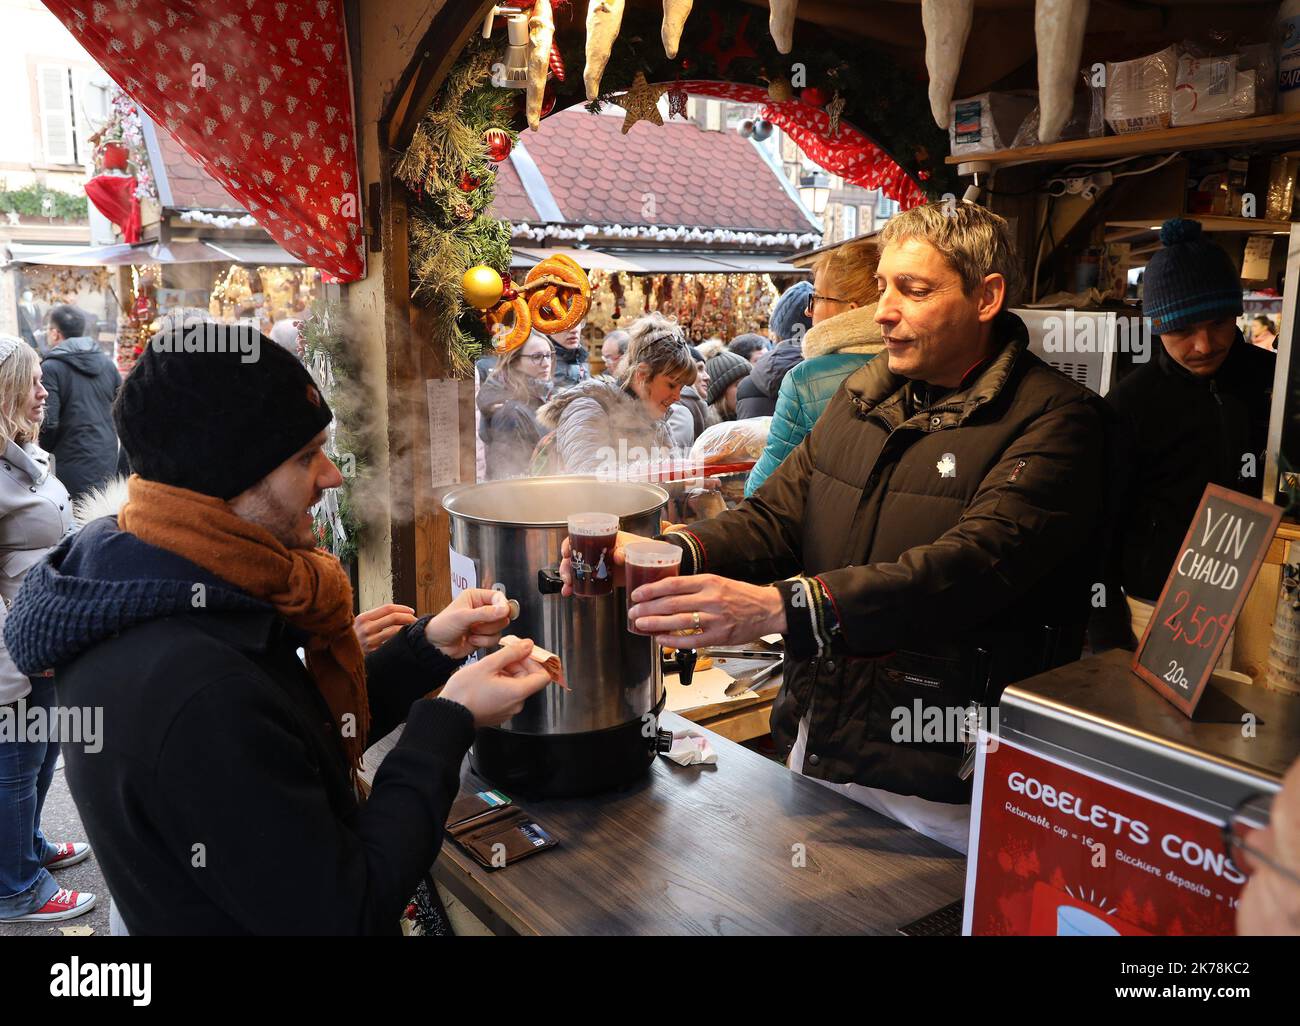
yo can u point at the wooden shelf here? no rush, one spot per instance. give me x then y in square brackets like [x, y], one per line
[1216, 223]
[1270, 128]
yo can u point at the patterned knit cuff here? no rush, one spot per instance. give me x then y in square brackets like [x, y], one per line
[811, 620]
[692, 550]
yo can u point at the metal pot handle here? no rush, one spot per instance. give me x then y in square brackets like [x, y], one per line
[549, 581]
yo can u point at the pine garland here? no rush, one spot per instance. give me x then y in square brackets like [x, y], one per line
[449, 228]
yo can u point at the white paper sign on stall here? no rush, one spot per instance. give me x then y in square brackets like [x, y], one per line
[464, 576]
[444, 432]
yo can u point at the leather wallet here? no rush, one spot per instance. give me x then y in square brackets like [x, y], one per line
[469, 808]
[494, 830]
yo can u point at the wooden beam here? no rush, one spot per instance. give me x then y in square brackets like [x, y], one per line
[1270, 128]
[439, 49]
[399, 362]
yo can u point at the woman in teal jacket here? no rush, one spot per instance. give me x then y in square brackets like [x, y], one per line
[844, 336]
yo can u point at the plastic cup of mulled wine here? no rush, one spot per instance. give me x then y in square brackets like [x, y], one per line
[591, 537]
[646, 562]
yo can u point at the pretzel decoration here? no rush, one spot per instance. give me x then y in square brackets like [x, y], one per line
[509, 323]
[561, 294]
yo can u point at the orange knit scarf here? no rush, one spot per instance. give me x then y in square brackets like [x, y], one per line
[307, 587]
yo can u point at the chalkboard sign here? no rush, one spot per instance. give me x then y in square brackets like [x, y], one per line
[1203, 596]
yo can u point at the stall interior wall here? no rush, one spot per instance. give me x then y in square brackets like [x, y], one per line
[1075, 223]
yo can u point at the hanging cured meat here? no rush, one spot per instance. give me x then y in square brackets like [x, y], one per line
[947, 24]
[1058, 29]
[541, 33]
[604, 18]
[675, 14]
[780, 23]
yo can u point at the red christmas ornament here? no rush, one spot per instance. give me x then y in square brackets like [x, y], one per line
[813, 97]
[468, 183]
[498, 144]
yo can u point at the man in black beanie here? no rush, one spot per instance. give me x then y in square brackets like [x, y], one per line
[223, 797]
[1195, 414]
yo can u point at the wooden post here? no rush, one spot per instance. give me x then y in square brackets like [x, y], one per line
[420, 529]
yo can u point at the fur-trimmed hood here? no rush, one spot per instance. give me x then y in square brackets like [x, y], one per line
[104, 501]
[615, 399]
[854, 331]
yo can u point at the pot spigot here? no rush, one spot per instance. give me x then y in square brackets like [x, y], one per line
[686, 658]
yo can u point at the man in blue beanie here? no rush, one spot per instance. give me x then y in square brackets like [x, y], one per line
[1195, 414]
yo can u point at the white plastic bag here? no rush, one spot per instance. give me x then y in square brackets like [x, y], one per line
[1139, 92]
[732, 441]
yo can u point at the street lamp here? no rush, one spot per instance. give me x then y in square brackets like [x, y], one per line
[815, 191]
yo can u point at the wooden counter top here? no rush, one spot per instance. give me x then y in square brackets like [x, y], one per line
[707, 850]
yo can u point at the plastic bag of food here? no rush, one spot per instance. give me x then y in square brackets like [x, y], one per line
[1087, 120]
[1139, 92]
[732, 441]
[987, 122]
[1222, 86]
[1209, 89]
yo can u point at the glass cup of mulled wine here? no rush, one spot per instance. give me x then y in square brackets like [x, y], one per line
[646, 562]
[591, 553]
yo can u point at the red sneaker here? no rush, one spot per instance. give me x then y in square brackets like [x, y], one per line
[65, 904]
[69, 853]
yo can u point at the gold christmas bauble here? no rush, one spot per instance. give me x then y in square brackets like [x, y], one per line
[779, 91]
[482, 287]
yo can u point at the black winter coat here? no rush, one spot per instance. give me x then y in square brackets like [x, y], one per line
[923, 569]
[571, 366]
[78, 426]
[756, 396]
[221, 801]
[1180, 432]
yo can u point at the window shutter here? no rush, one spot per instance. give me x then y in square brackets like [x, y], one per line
[54, 85]
[850, 215]
[90, 93]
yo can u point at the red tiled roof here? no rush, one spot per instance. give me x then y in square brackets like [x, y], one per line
[710, 179]
[511, 202]
[191, 186]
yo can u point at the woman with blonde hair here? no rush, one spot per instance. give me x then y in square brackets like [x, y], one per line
[844, 336]
[34, 514]
[600, 427]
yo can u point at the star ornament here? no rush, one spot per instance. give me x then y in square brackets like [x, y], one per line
[641, 102]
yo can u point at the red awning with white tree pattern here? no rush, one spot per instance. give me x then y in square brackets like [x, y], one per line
[259, 93]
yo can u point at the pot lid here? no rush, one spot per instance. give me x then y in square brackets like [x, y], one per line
[548, 501]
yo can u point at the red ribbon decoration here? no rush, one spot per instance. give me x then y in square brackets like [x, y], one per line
[849, 153]
[114, 197]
